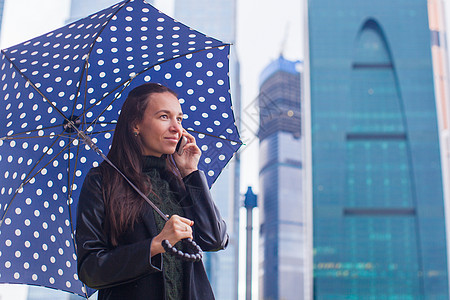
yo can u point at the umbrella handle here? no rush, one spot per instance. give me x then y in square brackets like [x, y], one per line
[195, 255]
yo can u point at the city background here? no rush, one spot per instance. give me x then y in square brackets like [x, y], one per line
[342, 108]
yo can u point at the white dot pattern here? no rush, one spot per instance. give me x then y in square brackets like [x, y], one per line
[78, 72]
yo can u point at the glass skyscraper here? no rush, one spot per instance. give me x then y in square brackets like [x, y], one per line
[439, 48]
[217, 18]
[377, 188]
[281, 203]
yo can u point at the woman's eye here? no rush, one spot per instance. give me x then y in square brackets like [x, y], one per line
[164, 116]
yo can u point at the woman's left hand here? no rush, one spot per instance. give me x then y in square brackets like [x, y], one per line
[188, 161]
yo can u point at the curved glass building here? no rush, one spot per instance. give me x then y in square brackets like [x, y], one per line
[378, 203]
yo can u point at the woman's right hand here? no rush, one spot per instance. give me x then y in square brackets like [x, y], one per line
[175, 229]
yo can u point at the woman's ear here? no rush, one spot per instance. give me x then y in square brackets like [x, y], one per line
[136, 129]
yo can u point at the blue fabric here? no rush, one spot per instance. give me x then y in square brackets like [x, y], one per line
[83, 72]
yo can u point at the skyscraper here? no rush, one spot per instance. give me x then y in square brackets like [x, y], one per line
[218, 19]
[439, 48]
[282, 226]
[377, 189]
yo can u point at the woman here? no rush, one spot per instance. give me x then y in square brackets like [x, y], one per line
[119, 235]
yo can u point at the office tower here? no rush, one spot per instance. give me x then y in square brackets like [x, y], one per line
[281, 203]
[377, 188]
[217, 18]
[436, 14]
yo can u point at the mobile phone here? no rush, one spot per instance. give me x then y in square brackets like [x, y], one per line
[180, 145]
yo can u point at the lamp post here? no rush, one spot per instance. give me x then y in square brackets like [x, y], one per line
[249, 203]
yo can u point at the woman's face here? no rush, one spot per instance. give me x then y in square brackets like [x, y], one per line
[160, 129]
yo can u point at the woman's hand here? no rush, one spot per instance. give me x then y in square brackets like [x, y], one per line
[175, 229]
[188, 161]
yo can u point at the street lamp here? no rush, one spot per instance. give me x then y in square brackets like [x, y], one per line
[250, 202]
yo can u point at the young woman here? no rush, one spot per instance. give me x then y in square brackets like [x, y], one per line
[119, 235]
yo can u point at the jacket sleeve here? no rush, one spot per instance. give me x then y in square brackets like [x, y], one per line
[100, 265]
[209, 227]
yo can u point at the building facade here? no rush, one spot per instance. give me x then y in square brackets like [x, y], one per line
[377, 188]
[281, 204]
[217, 18]
[439, 37]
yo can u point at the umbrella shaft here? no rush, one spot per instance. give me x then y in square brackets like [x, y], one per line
[94, 147]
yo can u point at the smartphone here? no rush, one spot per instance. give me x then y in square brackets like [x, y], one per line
[180, 145]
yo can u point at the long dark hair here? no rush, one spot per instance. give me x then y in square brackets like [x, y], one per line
[122, 204]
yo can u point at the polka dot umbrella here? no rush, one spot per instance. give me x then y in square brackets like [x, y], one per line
[70, 83]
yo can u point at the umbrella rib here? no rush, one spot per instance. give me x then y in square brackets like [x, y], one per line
[9, 205]
[187, 129]
[34, 86]
[69, 197]
[100, 132]
[127, 82]
[29, 177]
[16, 136]
[176, 57]
[77, 129]
[86, 64]
[215, 136]
[125, 85]
[36, 137]
[94, 147]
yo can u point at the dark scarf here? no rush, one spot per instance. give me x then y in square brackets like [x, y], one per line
[167, 201]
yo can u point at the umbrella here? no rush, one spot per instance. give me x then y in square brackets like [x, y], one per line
[70, 83]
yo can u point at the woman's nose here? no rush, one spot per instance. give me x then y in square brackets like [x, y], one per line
[176, 127]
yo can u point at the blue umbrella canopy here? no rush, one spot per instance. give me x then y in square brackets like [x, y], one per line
[74, 80]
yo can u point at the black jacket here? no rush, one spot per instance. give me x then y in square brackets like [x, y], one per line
[127, 271]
